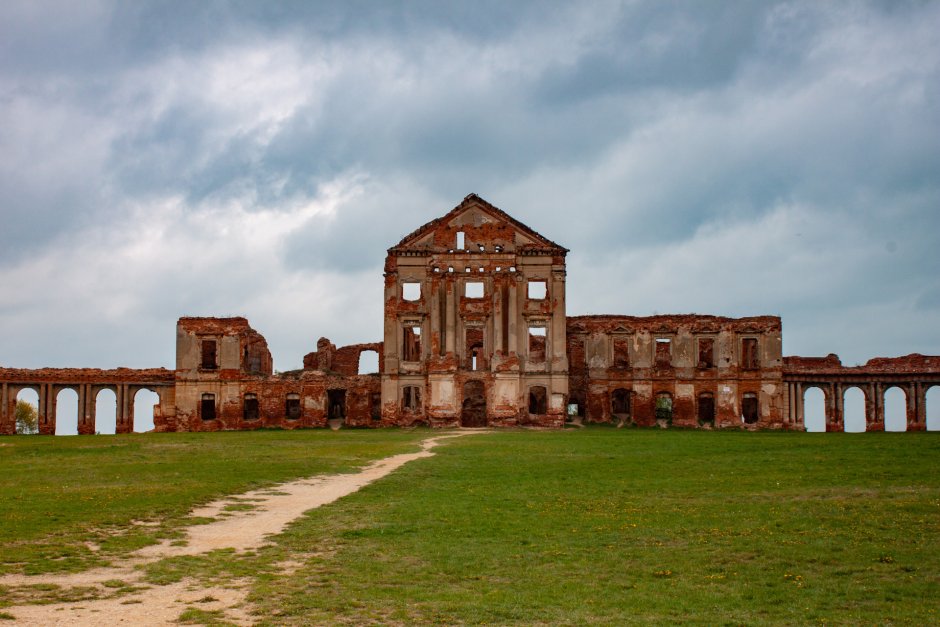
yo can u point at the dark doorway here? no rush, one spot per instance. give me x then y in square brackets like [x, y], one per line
[706, 409]
[250, 409]
[207, 407]
[336, 402]
[473, 411]
[538, 400]
[664, 409]
[750, 408]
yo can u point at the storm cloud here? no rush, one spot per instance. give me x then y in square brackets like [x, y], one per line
[160, 159]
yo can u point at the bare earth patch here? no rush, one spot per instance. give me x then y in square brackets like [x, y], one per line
[233, 528]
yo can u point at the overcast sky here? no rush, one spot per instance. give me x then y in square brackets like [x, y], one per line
[160, 159]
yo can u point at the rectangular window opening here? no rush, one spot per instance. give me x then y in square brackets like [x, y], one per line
[663, 351]
[207, 407]
[749, 356]
[208, 361]
[473, 289]
[411, 291]
[411, 398]
[621, 352]
[537, 337]
[251, 407]
[706, 353]
[411, 343]
[461, 240]
[292, 406]
[537, 290]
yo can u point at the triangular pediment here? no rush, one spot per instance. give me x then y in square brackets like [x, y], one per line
[483, 224]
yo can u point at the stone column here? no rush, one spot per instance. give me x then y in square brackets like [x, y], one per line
[451, 327]
[513, 314]
[839, 405]
[800, 418]
[5, 413]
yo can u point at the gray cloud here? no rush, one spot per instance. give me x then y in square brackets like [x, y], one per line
[169, 158]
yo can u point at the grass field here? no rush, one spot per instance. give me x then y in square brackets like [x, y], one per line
[593, 526]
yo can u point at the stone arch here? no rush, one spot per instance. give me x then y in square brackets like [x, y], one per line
[621, 407]
[66, 410]
[854, 412]
[29, 394]
[895, 408]
[815, 401]
[932, 409]
[105, 410]
[145, 405]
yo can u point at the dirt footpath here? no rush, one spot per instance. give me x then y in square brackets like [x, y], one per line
[273, 509]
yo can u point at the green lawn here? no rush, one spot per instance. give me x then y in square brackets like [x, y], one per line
[592, 526]
[631, 526]
[59, 493]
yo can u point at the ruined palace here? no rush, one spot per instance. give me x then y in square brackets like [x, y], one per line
[476, 334]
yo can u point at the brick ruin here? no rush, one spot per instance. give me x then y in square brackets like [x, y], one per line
[476, 334]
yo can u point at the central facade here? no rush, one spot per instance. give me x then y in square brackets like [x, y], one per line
[475, 325]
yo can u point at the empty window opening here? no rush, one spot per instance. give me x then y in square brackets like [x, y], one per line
[621, 352]
[853, 410]
[481, 269]
[473, 348]
[26, 412]
[499, 268]
[250, 407]
[620, 403]
[411, 399]
[537, 290]
[450, 268]
[66, 412]
[411, 343]
[473, 407]
[336, 404]
[467, 269]
[207, 407]
[814, 410]
[482, 248]
[932, 397]
[706, 409]
[461, 240]
[749, 357]
[538, 400]
[411, 291]
[292, 406]
[146, 404]
[663, 351]
[473, 289]
[208, 355]
[750, 408]
[895, 409]
[499, 248]
[512, 268]
[706, 353]
[436, 269]
[106, 412]
[368, 362]
[375, 406]
[664, 408]
[537, 343]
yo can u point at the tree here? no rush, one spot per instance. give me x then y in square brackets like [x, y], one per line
[27, 418]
